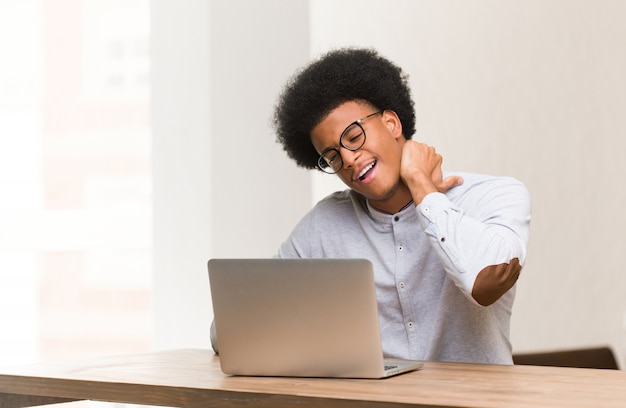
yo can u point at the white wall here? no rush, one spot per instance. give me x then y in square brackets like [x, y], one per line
[528, 88]
[257, 193]
[222, 186]
[181, 170]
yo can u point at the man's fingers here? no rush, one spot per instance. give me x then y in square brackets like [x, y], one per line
[449, 182]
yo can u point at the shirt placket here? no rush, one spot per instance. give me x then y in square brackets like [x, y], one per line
[402, 280]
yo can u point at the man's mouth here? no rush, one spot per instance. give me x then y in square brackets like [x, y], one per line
[363, 173]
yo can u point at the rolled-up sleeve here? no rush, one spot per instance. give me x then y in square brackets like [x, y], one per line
[485, 225]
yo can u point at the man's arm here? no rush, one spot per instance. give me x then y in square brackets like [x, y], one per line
[482, 250]
[494, 281]
[481, 237]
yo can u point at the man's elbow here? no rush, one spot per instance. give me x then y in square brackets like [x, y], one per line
[494, 281]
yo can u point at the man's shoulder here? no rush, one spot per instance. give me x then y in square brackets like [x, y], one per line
[484, 182]
[342, 198]
[478, 178]
[339, 204]
[487, 190]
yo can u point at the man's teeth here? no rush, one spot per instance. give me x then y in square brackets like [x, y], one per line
[365, 170]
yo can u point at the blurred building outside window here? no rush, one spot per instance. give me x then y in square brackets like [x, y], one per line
[75, 179]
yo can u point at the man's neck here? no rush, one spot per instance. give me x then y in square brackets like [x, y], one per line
[398, 201]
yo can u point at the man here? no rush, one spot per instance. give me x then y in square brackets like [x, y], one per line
[447, 250]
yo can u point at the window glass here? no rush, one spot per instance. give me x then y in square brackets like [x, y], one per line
[75, 179]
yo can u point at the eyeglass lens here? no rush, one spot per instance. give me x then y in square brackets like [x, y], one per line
[331, 161]
[353, 137]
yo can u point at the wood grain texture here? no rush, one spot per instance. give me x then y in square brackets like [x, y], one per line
[192, 378]
[19, 401]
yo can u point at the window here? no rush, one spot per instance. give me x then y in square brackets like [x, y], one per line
[75, 179]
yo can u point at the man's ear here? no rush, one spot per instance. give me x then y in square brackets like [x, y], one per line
[392, 121]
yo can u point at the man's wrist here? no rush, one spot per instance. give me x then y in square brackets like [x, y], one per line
[420, 186]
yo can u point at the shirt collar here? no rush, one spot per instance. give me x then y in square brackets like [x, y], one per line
[385, 217]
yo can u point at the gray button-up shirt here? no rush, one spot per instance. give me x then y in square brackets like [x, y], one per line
[426, 259]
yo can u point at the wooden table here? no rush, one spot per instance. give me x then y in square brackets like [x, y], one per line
[192, 378]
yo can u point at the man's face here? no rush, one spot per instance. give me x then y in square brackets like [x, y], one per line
[374, 169]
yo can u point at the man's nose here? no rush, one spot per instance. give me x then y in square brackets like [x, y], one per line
[349, 157]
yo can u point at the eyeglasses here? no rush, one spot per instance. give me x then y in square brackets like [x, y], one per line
[352, 138]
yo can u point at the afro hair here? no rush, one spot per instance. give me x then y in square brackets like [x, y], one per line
[348, 74]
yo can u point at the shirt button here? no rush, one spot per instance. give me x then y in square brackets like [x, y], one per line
[400, 247]
[401, 284]
[410, 324]
[396, 218]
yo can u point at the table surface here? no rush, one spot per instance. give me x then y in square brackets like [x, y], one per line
[192, 378]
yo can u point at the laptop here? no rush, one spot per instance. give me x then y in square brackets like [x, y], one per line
[299, 318]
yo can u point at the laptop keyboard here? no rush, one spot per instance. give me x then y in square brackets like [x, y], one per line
[390, 367]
